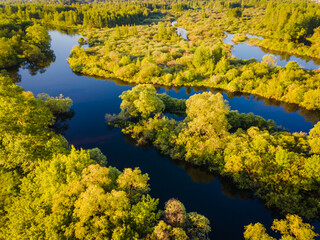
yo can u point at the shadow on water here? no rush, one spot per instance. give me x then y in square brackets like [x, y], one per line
[312, 116]
[40, 65]
[228, 207]
[37, 66]
[61, 124]
[63, 30]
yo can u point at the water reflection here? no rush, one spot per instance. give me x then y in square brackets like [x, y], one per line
[180, 31]
[197, 174]
[201, 174]
[41, 64]
[213, 197]
[246, 51]
[61, 124]
[312, 116]
[64, 30]
[230, 190]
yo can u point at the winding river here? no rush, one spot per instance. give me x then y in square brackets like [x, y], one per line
[228, 209]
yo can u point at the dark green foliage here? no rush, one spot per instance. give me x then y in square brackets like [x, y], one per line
[50, 190]
[173, 105]
[99, 16]
[245, 121]
[235, 12]
[280, 167]
[21, 41]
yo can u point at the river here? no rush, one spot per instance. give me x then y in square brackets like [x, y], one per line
[228, 209]
[180, 31]
[246, 51]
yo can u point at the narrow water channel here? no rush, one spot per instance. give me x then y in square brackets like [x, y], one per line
[246, 51]
[180, 31]
[228, 209]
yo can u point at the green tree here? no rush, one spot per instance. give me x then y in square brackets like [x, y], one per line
[314, 139]
[57, 105]
[38, 36]
[201, 55]
[141, 101]
[206, 127]
[269, 59]
[292, 227]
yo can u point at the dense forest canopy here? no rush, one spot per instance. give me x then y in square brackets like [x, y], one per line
[21, 41]
[50, 190]
[281, 167]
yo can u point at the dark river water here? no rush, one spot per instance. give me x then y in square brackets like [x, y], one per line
[228, 209]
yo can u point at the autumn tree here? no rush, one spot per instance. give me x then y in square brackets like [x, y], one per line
[141, 101]
[292, 227]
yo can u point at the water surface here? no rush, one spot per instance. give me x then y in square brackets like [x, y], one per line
[228, 209]
[180, 31]
[246, 51]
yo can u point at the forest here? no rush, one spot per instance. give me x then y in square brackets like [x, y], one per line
[281, 167]
[51, 190]
[21, 41]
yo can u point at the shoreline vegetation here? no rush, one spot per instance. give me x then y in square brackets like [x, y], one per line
[159, 56]
[298, 50]
[53, 190]
[281, 168]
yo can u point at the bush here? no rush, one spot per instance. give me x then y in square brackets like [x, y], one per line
[56, 105]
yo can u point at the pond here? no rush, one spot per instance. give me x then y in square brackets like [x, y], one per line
[228, 209]
[246, 51]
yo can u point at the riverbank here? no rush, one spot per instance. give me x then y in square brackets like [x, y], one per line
[93, 98]
[122, 53]
[280, 167]
[288, 48]
[244, 47]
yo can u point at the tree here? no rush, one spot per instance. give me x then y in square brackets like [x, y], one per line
[141, 101]
[82, 41]
[269, 59]
[199, 226]
[134, 183]
[256, 232]
[314, 139]
[180, 225]
[291, 227]
[201, 55]
[206, 127]
[57, 105]
[235, 12]
[175, 213]
[38, 35]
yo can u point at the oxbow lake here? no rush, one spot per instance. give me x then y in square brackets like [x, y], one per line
[228, 208]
